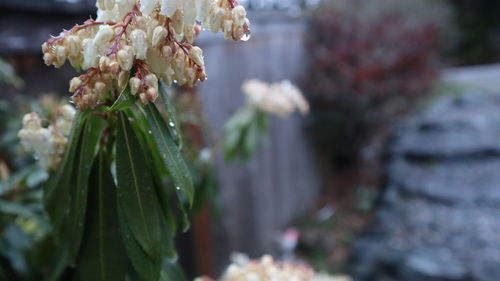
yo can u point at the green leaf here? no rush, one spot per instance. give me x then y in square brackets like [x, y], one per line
[167, 196]
[124, 100]
[136, 192]
[79, 192]
[148, 269]
[103, 256]
[171, 271]
[57, 269]
[175, 130]
[170, 153]
[57, 190]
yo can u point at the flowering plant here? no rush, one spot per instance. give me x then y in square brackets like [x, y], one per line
[243, 130]
[121, 189]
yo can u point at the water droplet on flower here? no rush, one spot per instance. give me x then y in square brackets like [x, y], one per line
[245, 37]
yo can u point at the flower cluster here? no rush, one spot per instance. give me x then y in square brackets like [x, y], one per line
[139, 43]
[267, 269]
[280, 98]
[47, 143]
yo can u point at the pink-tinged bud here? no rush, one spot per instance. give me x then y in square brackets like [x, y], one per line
[126, 58]
[104, 63]
[99, 88]
[114, 67]
[135, 84]
[239, 15]
[122, 79]
[74, 84]
[138, 38]
[48, 58]
[152, 94]
[197, 30]
[144, 98]
[196, 54]
[104, 35]
[159, 35]
[151, 80]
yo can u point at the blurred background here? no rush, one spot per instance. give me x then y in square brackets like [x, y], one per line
[393, 176]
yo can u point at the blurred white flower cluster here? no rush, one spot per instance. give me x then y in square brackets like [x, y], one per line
[281, 98]
[140, 42]
[47, 143]
[267, 269]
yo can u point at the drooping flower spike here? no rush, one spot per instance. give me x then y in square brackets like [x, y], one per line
[139, 43]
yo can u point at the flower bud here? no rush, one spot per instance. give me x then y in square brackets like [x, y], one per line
[45, 47]
[159, 35]
[126, 58]
[122, 79]
[147, 6]
[74, 84]
[178, 21]
[144, 98]
[202, 10]
[239, 15]
[135, 84]
[167, 51]
[67, 112]
[48, 58]
[114, 67]
[61, 55]
[168, 7]
[99, 88]
[109, 4]
[90, 54]
[152, 94]
[189, 33]
[151, 80]
[196, 54]
[138, 38]
[74, 45]
[104, 35]
[104, 63]
[228, 29]
[32, 121]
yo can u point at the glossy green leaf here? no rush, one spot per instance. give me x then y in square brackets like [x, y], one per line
[103, 256]
[174, 125]
[136, 194]
[147, 268]
[57, 189]
[124, 100]
[167, 196]
[79, 193]
[170, 153]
